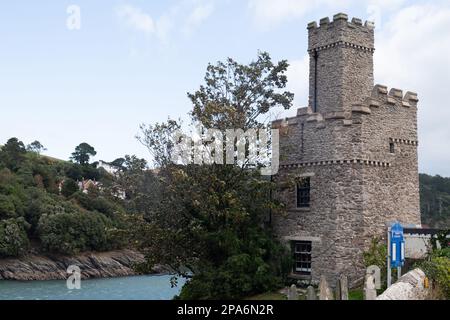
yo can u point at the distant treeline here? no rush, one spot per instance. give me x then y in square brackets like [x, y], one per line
[435, 201]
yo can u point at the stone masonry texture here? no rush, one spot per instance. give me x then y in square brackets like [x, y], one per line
[343, 143]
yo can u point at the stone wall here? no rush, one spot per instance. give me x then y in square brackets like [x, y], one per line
[408, 287]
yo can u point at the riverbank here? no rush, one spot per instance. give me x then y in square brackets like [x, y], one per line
[118, 263]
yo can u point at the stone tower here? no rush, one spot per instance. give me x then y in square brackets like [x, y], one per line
[341, 62]
[348, 161]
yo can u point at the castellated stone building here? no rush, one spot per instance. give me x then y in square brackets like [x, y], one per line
[348, 161]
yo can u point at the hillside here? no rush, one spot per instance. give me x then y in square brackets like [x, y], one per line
[44, 209]
[435, 201]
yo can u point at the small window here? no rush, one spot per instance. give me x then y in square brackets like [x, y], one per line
[391, 147]
[302, 257]
[303, 193]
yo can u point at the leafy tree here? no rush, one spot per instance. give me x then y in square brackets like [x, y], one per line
[209, 223]
[13, 153]
[71, 233]
[69, 187]
[435, 201]
[36, 147]
[158, 139]
[138, 184]
[13, 237]
[7, 208]
[236, 95]
[118, 163]
[83, 153]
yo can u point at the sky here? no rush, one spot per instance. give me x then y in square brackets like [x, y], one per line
[95, 79]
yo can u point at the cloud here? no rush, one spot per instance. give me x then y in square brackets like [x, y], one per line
[136, 19]
[198, 15]
[185, 17]
[413, 54]
[268, 13]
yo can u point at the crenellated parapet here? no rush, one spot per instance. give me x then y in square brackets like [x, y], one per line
[394, 96]
[380, 96]
[340, 32]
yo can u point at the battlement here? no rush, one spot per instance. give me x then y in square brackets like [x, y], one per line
[341, 31]
[339, 18]
[380, 96]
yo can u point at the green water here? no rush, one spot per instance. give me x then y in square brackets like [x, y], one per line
[152, 287]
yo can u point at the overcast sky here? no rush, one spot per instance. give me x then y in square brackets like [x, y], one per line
[133, 61]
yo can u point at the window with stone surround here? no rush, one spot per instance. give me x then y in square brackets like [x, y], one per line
[302, 257]
[303, 192]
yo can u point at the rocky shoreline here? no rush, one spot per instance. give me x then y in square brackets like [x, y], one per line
[93, 265]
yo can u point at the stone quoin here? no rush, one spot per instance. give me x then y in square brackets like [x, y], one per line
[348, 161]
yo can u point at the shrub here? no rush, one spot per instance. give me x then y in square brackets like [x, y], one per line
[7, 208]
[71, 233]
[263, 266]
[69, 188]
[437, 268]
[95, 203]
[13, 237]
[376, 255]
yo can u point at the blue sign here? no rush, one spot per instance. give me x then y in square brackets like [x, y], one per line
[397, 246]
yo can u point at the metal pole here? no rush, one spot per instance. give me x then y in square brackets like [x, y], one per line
[389, 280]
[399, 273]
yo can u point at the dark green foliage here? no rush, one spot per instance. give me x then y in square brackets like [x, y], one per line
[244, 270]
[36, 147]
[69, 187]
[31, 206]
[435, 201]
[12, 154]
[118, 163]
[437, 268]
[79, 172]
[13, 237]
[7, 208]
[71, 233]
[83, 153]
[96, 203]
[74, 172]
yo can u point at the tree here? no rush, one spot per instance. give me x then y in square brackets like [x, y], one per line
[138, 184]
[236, 95]
[210, 217]
[7, 208]
[82, 154]
[13, 153]
[36, 147]
[118, 163]
[69, 187]
[158, 139]
[13, 237]
[71, 233]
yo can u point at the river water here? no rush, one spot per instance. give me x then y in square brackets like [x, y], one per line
[154, 287]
